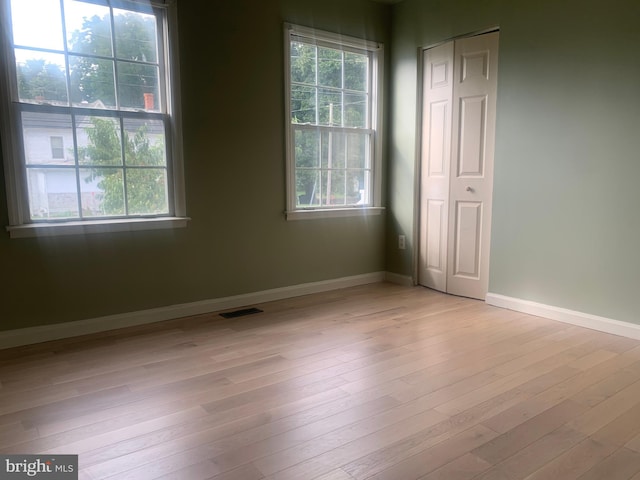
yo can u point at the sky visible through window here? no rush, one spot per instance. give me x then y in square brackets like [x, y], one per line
[44, 29]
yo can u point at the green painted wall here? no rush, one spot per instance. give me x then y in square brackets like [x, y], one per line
[238, 242]
[566, 228]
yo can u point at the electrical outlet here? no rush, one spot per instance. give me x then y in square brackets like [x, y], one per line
[401, 242]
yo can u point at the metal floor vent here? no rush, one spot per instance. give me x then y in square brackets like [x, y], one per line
[241, 313]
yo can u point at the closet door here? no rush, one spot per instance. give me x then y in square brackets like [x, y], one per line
[469, 174]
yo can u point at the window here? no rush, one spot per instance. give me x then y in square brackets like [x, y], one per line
[57, 147]
[93, 78]
[333, 142]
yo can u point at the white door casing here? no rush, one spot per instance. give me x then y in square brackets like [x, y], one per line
[470, 171]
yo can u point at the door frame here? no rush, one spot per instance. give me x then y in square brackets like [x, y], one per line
[418, 145]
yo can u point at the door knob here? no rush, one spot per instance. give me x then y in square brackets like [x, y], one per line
[469, 189]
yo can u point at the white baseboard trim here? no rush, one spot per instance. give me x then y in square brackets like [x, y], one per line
[404, 280]
[27, 336]
[594, 322]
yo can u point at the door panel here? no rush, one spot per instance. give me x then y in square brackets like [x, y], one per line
[468, 225]
[472, 136]
[439, 116]
[474, 64]
[436, 221]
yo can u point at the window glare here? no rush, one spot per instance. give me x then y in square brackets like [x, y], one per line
[37, 23]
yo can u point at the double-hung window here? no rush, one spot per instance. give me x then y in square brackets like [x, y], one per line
[90, 129]
[333, 105]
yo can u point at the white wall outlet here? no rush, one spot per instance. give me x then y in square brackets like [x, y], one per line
[401, 242]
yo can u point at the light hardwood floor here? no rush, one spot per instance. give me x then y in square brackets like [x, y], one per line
[373, 382]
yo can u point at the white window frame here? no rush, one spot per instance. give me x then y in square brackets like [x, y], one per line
[20, 223]
[376, 69]
[56, 149]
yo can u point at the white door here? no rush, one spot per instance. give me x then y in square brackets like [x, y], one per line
[458, 125]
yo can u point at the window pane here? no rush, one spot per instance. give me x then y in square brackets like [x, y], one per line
[307, 160]
[329, 107]
[147, 191]
[98, 141]
[357, 150]
[355, 110]
[137, 86]
[38, 129]
[88, 28]
[334, 184]
[303, 104]
[355, 71]
[145, 142]
[303, 63]
[333, 150]
[92, 82]
[356, 187]
[41, 77]
[135, 36]
[52, 193]
[306, 144]
[329, 67]
[307, 187]
[102, 192]
[37, 23]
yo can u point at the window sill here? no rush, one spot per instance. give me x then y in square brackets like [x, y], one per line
[97, 226]
[332, 213]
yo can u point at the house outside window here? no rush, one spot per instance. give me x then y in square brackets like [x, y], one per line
[333, 104]
[94, 78]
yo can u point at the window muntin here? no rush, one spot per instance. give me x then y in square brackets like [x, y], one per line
[93, 74]
[332, 121]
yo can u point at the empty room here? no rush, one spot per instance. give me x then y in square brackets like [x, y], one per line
[320, 239]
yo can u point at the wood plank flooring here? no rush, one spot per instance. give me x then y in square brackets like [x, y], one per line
[374, 382]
